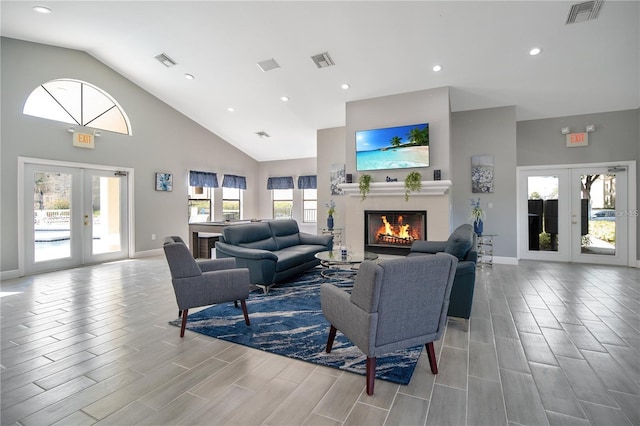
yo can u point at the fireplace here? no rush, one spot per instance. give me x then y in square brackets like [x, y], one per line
[393, 231]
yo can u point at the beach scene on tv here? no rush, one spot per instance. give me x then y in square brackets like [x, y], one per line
[393, 147]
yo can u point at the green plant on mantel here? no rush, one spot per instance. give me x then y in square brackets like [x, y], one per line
[412, 183]
[363, 185]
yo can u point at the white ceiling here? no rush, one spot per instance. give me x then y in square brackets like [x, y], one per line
[379, 47]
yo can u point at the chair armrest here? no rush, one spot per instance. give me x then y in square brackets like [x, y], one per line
[212, 287]
[323, 240]
[216, 264]
[428, 246]
[245, 253]
[465, 267]
[357, 325]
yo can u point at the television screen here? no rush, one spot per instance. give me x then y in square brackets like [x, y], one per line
[400, 147]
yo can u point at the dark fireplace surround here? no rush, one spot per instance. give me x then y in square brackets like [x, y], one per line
[393, 231]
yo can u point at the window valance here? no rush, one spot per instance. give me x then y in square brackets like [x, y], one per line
[203, 179]
[233, 181]
[282, 182]
[307, 182]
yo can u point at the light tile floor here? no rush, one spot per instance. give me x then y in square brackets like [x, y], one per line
[547, 344]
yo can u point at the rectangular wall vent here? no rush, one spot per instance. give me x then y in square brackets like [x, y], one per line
[322, 60]
[268, 65]
[585, 11]
[165, 60]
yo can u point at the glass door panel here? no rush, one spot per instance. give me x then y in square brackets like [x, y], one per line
[105, 227]
[105, 215]
[600, 224]
[51, 215]
[542, 212]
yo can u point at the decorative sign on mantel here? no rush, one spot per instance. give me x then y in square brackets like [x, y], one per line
[429, 187]
[577, 139]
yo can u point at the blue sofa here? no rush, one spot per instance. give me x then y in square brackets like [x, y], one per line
[461, 244]
[273, 251]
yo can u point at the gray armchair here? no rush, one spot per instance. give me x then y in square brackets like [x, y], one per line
[395, 304]
[204, 282]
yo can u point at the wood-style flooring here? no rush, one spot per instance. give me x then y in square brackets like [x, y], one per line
[547, 344]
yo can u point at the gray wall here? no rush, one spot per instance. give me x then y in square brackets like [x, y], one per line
[163, 140]
[331, 150]
[481, 132]
[616, 138]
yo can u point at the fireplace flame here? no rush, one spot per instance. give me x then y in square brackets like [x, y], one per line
[399, 232]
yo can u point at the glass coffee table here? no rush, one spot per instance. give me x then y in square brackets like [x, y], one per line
[337, 264]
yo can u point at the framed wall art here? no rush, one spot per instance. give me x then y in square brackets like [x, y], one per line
[481, 173]
[164, 182]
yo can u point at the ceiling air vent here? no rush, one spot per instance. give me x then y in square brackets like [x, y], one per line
[268, 65]
[322, 60]
[165, 60]
[585, 11]
[263, 134]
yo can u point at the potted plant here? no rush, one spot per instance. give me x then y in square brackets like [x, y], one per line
[477, 215]
[412, 183]
[363, 185]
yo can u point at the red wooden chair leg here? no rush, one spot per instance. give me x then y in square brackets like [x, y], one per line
[245, 312]
[431, 353]
[184, 322]
[371, 374]
[332, 336]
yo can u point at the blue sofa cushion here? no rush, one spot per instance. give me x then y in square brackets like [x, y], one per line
[250, 235]
[285, 233]
[460, 242]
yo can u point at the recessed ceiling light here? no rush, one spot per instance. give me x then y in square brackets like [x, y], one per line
[284, 99]
[345, 86]
[437, 68]
[535, 51]
[42, 9]
[230, 109]
[189, 77]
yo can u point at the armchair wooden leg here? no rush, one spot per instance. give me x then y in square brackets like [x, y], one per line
[235, 303]
[371, 374]
[431, 353]
[244, 312]
[184, 321]
[332, 336]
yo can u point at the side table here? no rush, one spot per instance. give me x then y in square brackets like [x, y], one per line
[336, 233]
[485, 249]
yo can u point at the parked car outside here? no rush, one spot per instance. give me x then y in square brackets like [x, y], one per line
[603, 215]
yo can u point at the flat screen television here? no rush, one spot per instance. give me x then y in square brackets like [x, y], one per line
[401, 147]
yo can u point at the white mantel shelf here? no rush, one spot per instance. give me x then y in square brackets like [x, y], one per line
[429, 187]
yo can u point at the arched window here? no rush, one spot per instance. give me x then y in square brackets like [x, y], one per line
[77, 102]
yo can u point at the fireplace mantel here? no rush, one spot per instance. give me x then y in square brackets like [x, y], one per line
[429, 187]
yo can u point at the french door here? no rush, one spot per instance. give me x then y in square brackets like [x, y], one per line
[73, 216]
[574, 214]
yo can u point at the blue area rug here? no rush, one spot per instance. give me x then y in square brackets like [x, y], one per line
[289, 321]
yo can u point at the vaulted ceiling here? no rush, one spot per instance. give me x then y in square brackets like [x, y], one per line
[378, 47]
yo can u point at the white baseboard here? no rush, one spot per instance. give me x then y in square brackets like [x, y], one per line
[148, 253]
[8, 275]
